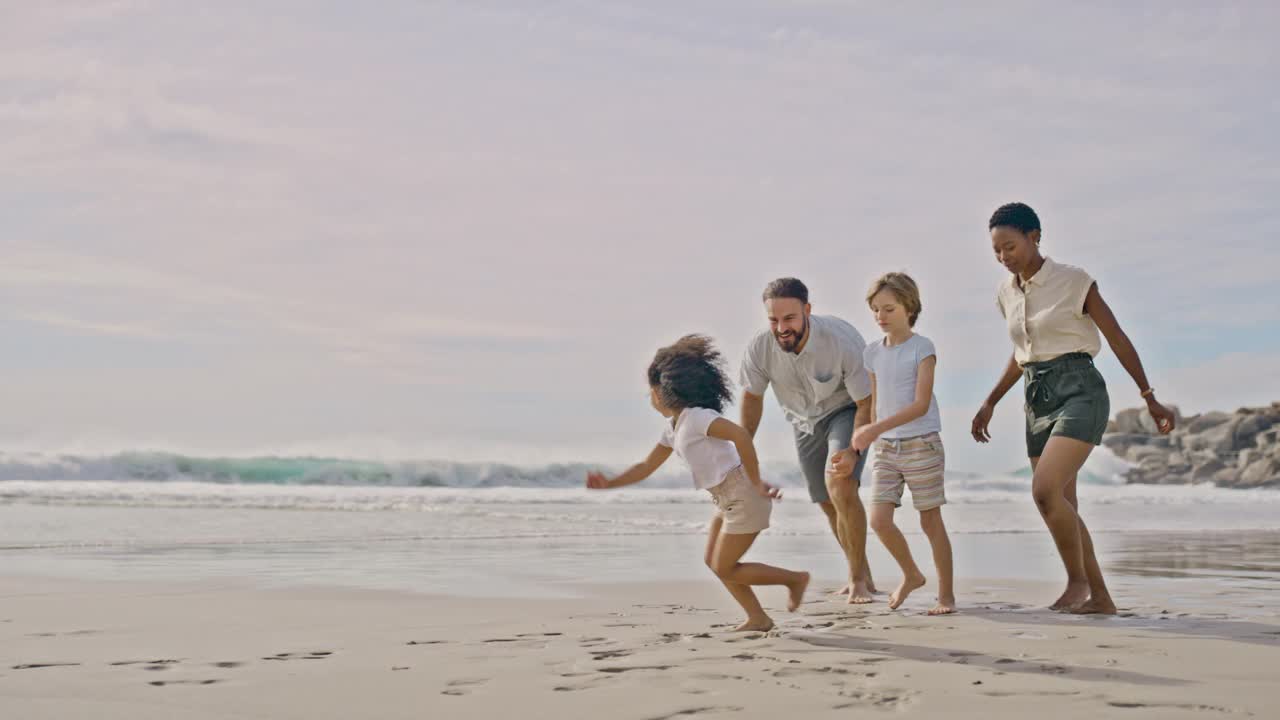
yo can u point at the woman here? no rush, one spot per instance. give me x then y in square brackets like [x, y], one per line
[1054, 313]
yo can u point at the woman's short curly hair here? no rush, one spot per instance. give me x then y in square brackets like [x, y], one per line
[691, 373]
[1016, 215]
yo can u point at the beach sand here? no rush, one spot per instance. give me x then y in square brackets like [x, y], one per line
[102, 649]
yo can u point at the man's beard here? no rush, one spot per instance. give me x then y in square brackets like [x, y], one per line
[789, 343]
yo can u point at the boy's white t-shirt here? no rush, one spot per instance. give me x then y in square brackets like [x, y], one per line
[710, 459]
[895, 370]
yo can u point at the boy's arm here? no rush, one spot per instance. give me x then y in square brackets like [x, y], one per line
[871, 413]
[633, 474]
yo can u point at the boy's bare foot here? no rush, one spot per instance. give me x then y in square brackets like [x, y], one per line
[945, 606]
[897, 597]
[1074, 596]
[860, 595]
[1095, 606]
[764, 624]
[797, 592]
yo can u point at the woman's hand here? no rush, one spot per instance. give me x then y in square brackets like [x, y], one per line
[1164, 417]
[596, 480]
[980, 423]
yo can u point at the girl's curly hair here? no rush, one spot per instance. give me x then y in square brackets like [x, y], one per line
[691, 373]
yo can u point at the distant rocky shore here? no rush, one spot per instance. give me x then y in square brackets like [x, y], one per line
[1237, 450]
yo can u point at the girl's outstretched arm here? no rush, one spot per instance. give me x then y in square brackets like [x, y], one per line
[596, 480]
[722, 429]
[1098, 309]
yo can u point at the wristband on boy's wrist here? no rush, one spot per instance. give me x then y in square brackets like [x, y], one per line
[1149, 393]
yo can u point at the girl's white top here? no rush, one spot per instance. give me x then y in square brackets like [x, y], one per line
[710, 459]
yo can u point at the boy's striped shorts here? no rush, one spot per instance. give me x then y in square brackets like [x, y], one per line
[917, 463]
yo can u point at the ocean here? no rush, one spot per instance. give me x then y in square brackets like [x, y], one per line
[496, 530]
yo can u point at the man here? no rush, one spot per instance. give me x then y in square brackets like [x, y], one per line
[814, 363]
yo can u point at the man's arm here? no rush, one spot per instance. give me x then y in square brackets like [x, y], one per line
[863, 415]
[752, 411]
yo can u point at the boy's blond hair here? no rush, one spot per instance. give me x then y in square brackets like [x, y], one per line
[903, 288]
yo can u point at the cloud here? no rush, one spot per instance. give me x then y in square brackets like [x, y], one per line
[442, 202]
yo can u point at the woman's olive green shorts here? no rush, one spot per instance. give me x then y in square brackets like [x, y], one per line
[1065, 396]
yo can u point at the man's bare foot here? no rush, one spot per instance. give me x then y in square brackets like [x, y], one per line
[1095, 606]
[797, 592]
[860, 595]
[897, 597]
[764, 624]
[1074, 596]
[945, 606]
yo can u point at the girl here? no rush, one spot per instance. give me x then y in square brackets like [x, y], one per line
[688, 385]
[907, 424]
[1054, 313]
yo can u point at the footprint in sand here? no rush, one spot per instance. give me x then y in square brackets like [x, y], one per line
[427, 642]
[162, 683]
[150, 664]
[69, 633]
[227, 664]
[697, 711]
[34, 666]
[890, 700]
[316, 655]
[622, 669]
[672, 637]
[1172, 706]
[461, 686]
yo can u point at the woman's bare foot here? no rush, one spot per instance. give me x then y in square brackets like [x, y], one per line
[764, 624]
[796, 591]
[1073, 597]
[844, 590]
[898, 596]
[860, 595]
[945, 606]
[1095, 606]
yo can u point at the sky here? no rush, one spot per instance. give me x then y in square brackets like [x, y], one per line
[459, 230]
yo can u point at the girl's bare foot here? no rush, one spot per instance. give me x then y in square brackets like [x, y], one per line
[899, 596]
[1073, 597]
[945, 606]
[797, 592]
[764, 624]
[1095, 606]
[860, 595]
